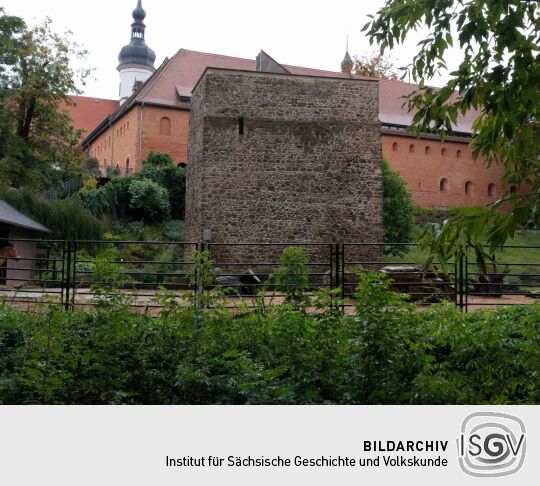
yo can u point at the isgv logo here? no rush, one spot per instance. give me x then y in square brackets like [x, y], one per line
[491, 444]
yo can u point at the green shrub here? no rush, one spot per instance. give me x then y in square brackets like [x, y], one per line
[199, 352]
[171, 178]
[155, 158]
[114, 198]
[149, 200]
[292, 276]
[398, 211]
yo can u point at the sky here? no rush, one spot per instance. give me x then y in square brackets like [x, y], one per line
[298, 32]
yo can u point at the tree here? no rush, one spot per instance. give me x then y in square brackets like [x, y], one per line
[149, 200]
[374, 65]
[38, 144]
[500, 77]
[398, 210]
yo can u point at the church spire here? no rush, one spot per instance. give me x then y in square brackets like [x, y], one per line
[136, 60]
[347, 63]
[137, 27]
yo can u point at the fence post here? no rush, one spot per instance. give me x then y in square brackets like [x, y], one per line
[63, 273]
[461, 280]
[74, 275]
[466, 286]
[68, 275]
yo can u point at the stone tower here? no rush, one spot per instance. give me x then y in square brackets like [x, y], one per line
[279, 158]
[136, 60]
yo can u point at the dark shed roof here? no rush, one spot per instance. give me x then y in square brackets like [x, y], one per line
[9, 215]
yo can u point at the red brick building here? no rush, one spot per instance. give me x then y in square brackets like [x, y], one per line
[156, 117]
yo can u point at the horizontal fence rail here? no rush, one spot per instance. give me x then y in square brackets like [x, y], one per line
[73, 273]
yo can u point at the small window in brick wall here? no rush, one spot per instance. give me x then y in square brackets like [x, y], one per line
[165, 126]
[443, 185]
[427, 150]
[492, 190]
[458, 154]
[411, 148]
[395, 147]
[468, 188]
[443, 152]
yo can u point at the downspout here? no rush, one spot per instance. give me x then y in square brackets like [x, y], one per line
[111, 145]
[113, 165]
[139, 157]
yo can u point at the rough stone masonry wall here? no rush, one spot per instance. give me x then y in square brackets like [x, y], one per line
[307, 167]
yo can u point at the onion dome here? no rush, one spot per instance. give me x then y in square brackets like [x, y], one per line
[137, 52]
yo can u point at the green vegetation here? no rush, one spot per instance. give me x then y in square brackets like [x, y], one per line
[38, 145]
[499, 77]
[199, 352]
[66, 218]
[398, 210]
[154, 193]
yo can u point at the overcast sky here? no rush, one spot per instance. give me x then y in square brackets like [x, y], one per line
[299, 32]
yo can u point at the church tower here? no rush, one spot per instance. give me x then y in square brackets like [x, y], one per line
[136, 60]
[347, 64]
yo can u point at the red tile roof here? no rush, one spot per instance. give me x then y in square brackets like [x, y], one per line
[178, 75]
[87, 112]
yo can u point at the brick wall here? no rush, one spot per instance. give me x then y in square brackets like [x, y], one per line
[155, 135]
[122, 141]
[424, 163]
[119, 143]
[305, 169]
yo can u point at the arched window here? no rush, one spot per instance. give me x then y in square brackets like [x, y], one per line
[164, 126]
[128, 125]
[127, 166]
[394, 147]
[513, 189]
[105, 162]
[443, 152]
[458, 154]
[427, 150]
[468, 187]
[443, 185]
[411, 148]
[492, 190]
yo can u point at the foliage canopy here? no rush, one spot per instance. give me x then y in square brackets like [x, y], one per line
[499, 76]
[38, 144]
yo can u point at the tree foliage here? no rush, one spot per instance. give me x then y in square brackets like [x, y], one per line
[380, 352]
[375, 65]
[398, 210]
[499, 77]
[38, 144]
[115, 197]
[149, 200]
[67, 218]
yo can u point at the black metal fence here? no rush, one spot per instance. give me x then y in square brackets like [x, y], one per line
[69, 272]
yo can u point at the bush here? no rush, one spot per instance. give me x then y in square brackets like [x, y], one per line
[292, 277]
[171, 178]
[149, 200]
[199, 352]
[158, 159]
[114, 198]
[398, 210]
